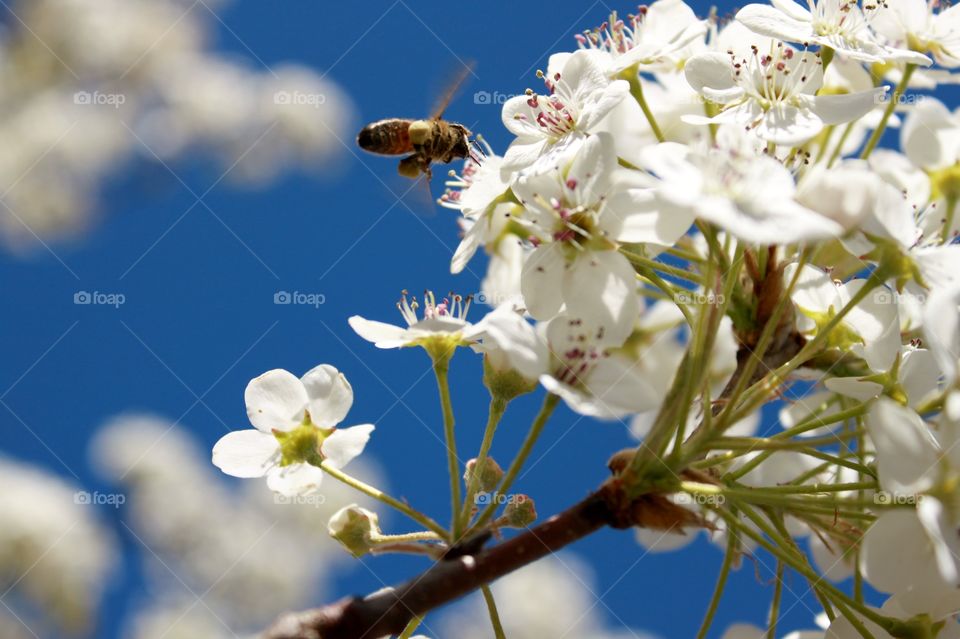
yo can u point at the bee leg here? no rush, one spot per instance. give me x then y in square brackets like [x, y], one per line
[411, 166]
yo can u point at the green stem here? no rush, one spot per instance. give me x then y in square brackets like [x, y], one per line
[492, 610]
[632, 75]
[681, 273]
[894, 101]
[728, 558]
[380, 496]
[405, 538]
[775, 604]
[440, 369]
[411, 628]
[837, 150]
[549, 404]
[778, 548]
[497, 407]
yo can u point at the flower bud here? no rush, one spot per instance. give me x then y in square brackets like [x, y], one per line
[520, 512]
[355, 528]
[503, 381]
[487, 476]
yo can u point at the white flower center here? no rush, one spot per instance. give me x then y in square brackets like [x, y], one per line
[445, 309]
[616, 37]
[555, 114]
[777, 77]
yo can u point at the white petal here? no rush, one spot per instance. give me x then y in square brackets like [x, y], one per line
[941, 328]
[330, 395]
[793, 10]
[619, 383]
[345, 443]
[295, 479]
[830, 561]
[942, 532]
[541, 281]
[275, 401]
[906, 451]
[843, 108]
[663, 541]
[789, 125]
[505, 330]
[895, 554]
[246, 453]
[768, 21]
[644, 219]
[710, 70]
[601, 289]
[858, 389]
[381, 334]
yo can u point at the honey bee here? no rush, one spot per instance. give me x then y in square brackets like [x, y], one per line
[426, 141]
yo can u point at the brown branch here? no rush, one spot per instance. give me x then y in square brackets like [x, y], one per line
[388, 611]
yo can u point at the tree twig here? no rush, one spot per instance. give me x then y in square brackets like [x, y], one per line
[388, 611]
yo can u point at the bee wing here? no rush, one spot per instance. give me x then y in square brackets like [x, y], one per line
[452, 89]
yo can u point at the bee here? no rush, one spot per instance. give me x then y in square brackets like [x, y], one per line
[423, 141]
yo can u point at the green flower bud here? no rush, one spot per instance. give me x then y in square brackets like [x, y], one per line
[520, 512]
[503, 382]
[487, 476]
[355, 528]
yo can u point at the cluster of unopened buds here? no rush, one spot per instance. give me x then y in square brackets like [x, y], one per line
[696, 220]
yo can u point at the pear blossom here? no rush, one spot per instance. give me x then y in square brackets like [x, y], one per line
[871, 329]
[650, 39]
[774, 92]
[294, 430]
[577, 214]
[941, 329]
[836, 24]
[928, 26]
[590, 375]
[746, 193]
[579, 97]
[913, 552]
[443, 324]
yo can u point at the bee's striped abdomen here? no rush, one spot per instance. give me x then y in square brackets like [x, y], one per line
[386, 137]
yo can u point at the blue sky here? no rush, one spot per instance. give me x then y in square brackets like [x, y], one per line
[199, 319]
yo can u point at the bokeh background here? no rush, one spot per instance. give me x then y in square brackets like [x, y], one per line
[195, 200]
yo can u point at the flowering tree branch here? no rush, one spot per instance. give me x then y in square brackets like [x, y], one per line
[388, 611]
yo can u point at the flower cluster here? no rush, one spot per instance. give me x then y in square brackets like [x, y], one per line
[695, 220]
